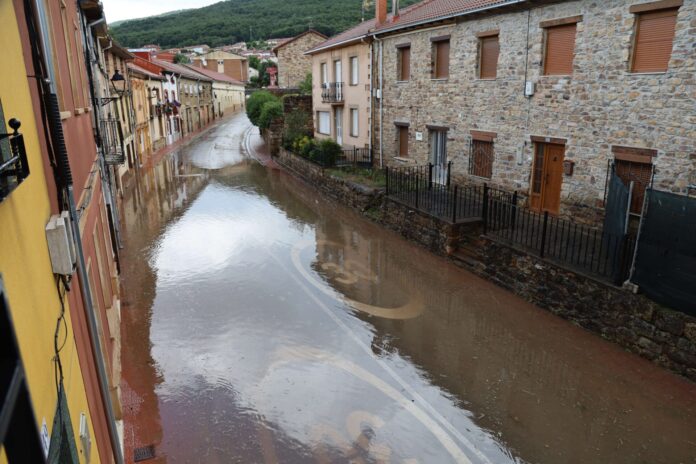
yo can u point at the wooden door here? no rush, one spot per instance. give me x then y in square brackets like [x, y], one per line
[547, 177]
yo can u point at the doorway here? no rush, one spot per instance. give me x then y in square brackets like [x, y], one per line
[338, 124]
[438, 155]
[547, 177]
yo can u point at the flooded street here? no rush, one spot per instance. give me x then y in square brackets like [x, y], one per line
[264, 324]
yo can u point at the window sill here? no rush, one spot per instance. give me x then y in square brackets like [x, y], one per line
[480, 177]
[402, 159]
[439, 79]
[403, 82]
[487, 79]
[654, 73]
[353, 85]
[556, 75]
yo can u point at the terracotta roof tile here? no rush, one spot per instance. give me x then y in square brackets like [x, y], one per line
[214, 75]
[181, 70]
[145, 72]
[361, 30]
[430, 10]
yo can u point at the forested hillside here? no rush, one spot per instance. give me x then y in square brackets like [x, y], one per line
[236, 20]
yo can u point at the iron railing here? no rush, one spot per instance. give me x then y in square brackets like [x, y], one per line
[332, 92]
[111, 141]
[14, 166]
[430, 190]
[577, 246]
[355, 157]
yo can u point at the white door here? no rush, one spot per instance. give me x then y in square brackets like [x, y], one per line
[438, 155]
[338, 123]
[338, 79]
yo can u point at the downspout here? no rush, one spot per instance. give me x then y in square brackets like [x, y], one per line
[381, 102]
[370, 106]
[50, 104]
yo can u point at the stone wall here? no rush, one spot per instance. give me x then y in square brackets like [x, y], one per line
[273, 136]
[293, 64]
[602, 104]
[351, 194]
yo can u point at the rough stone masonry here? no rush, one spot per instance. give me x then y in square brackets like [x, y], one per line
[601, 105]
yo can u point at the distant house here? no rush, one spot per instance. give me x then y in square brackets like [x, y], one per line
[293, 64]
[228, 93]
[341, 86]
[234, 66]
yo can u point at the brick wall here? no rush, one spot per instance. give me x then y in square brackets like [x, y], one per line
[600, 105]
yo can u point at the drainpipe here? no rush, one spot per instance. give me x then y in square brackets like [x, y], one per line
[49, 101]
[370, 106]
[381, 103]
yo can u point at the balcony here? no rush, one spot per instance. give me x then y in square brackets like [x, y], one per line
[111, 138]
[14, 167]
[332, 92]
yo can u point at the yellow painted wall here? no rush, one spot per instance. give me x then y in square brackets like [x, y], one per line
[24, 261]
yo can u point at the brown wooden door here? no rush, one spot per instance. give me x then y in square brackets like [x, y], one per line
[547, 177]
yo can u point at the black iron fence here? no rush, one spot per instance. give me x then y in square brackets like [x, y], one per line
[355, 156]
[14, 165]
[332, 92]
[582, 247]
[430, 190]
[588, 249]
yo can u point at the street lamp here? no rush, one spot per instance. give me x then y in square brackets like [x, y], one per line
[118, 82]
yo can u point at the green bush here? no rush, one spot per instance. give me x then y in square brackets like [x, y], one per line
[269, 111]
[296, 124]
[255, 104]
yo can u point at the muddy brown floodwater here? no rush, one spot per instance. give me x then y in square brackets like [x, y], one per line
[263, 324]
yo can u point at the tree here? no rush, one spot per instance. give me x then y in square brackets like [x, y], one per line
[256, 102]
[306, 85]
[254, 62]
[181, 58]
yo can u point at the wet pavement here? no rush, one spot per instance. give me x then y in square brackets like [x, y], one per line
[264, 324]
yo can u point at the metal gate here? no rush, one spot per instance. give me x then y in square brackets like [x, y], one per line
[614, 235]
[665, 267]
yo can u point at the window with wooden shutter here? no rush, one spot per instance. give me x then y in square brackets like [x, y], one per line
[653, 40]
[403, 140]
[404, 60]
[490, 49]
[441, 51]
[481, 160]
[560, 50]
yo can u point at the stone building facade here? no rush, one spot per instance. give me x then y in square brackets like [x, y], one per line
[598, 114]
[293, 64]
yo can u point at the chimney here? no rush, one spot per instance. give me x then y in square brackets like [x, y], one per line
[395, 9]
[381, 11]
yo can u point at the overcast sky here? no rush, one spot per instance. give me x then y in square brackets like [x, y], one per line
[116, 10]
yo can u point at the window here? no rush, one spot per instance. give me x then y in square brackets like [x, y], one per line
[560, 50]
[402, 136]
[403, 62]
[654, 34]
[324, 73]
[353, 70]
[481, 160]
[354, 128]
[323, 122]
[488, 57]
[440, 58]
[634, 165]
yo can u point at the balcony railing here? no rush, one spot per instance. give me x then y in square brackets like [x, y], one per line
[14, 167]
[111, 141]
[332, 92]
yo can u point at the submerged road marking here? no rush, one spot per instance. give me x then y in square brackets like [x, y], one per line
[444, 422]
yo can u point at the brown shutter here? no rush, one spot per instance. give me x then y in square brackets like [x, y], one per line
[560, 49]
[403, 140]
[653, 43]
[405, 71]
[442, 50]
[489, 57]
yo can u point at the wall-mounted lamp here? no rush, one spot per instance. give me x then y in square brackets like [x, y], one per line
[568, 167]
[118, 82]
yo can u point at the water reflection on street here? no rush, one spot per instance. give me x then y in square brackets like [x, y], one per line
[265, 324]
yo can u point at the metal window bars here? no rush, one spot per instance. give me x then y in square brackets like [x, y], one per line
[14, 166]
